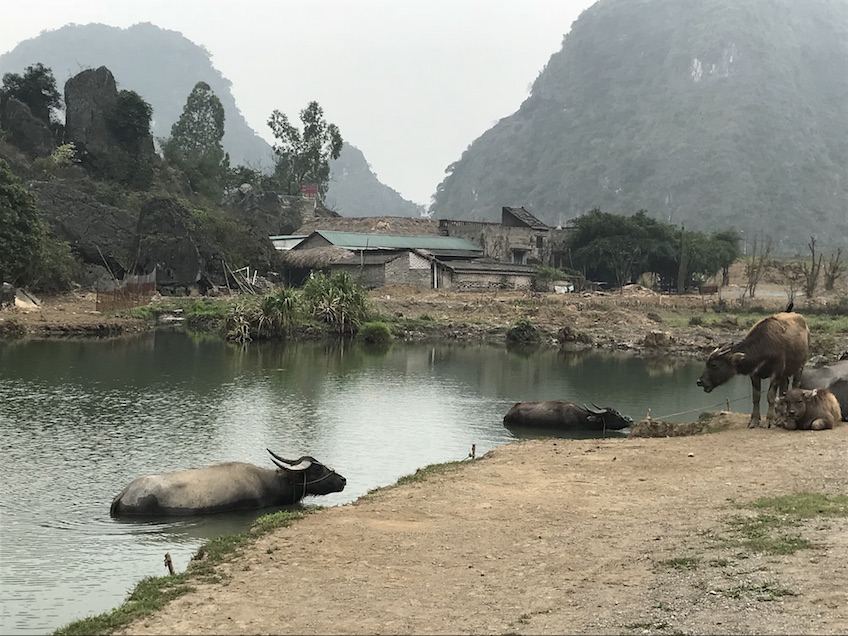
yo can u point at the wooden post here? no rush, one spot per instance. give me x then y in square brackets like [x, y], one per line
[169, 563]
[473, 452]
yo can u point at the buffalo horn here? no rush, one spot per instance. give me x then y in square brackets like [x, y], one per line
[597, 410]
[288, 464]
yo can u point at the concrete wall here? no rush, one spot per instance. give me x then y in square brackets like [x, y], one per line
[479, 281]
[538, 247]
[408, 269]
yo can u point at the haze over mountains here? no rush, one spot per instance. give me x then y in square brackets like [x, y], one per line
[163, 66]
[715, 114]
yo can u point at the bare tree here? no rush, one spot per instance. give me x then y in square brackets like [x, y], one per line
[833, 270]
[756, 263]
[812, 271]
[792, 275]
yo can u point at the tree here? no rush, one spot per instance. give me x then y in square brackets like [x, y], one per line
[811, 273]
[756, 264]
[195, 142]
[21, 228]
[304, 157]
[36, 88]
[833, 270]
[29, 255]
[129, 120]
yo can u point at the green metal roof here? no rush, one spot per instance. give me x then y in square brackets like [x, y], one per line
[362, 241]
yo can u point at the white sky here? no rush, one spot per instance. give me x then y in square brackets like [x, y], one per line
[411, 83]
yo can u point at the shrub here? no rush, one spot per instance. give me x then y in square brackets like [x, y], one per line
[375, 333]
[522, 332]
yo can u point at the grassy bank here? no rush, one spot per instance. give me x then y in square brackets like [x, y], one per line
[152, 593]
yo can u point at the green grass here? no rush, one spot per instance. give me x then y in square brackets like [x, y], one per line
[805, 505]
[773, 529]
[767, 591]
[419, 475]
[681, 563]
[152, 593]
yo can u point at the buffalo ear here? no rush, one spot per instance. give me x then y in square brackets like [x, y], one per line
[593, 418]
[736, 358]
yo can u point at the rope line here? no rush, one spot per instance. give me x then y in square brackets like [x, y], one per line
[700, 408]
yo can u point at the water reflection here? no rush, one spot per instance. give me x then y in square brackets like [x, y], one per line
[81, 419]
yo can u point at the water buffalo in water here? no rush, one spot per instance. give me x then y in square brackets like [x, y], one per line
[227, 487]
[566, 415]
[811, 409]
[776, 348]
[834, 377]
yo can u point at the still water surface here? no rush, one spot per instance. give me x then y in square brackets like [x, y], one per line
[81, 419]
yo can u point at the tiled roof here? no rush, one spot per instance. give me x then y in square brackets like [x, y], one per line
[396, 225]
[525, 217]
[361, 241]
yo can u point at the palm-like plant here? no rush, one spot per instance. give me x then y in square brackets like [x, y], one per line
[279, 312]
[336, 300]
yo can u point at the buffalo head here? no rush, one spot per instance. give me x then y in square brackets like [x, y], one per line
[609, 417]
[307, 472]
[721, 366]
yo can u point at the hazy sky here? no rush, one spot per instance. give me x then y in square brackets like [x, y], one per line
[411, 83]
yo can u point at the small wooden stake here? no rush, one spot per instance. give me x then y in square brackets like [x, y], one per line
[473, 452]
[169, 563]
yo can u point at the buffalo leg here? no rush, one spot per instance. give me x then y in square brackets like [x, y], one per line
[756, 390]
[776, 384]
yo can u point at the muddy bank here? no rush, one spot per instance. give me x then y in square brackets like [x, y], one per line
[623, 536]
[636, 320]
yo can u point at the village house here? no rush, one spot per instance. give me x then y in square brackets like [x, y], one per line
[455, 255]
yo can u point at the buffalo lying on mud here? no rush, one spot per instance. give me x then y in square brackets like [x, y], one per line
[776, 347]
[564, 415]
[810, 409]
[226, 487]
[834, 377]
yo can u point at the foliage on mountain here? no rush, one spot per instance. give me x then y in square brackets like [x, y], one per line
[303, 156]
[129, 120]
[164, 66]
[354, 189]
[29, 255]
[36, 88]
[116, 204]
[618, 249]
[195, 143]
[714, 114]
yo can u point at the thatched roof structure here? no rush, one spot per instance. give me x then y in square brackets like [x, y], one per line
[399, 225]
[316, 258]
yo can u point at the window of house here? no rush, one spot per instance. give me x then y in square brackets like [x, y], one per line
[538, 242]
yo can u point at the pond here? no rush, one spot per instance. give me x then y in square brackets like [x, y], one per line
[80, 419]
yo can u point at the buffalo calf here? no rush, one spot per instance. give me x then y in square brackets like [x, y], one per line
[811, 409]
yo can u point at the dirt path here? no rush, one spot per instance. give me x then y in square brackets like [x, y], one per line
[550, 537]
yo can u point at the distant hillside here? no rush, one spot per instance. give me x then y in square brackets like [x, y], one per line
[355, 191]
[160, 65]
[163, 66]
[716, 114]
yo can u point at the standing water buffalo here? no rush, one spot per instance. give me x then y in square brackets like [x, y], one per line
[834, 377]
[776, 348]
[226, 487]
[811, 409]
[566, 415]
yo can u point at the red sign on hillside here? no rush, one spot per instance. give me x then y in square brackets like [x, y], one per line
[309, 190]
